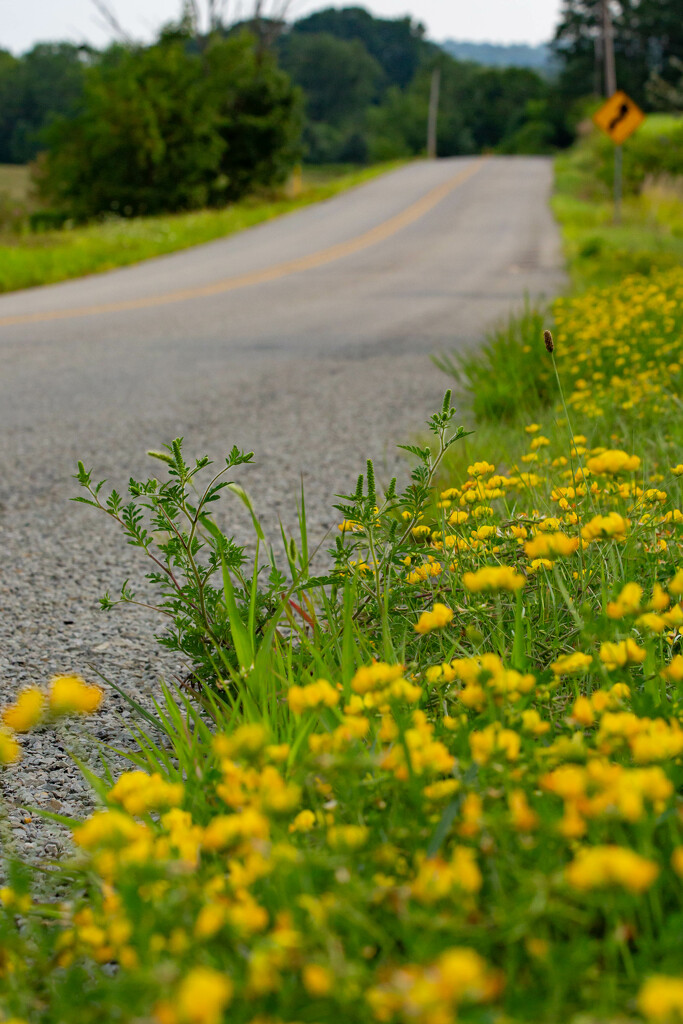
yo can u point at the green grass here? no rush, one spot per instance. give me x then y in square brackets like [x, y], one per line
[44, 258]
[599, 252]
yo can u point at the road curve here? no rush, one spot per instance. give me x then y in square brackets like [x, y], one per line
[305, 339]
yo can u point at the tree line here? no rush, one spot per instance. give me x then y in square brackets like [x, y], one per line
[200, 119]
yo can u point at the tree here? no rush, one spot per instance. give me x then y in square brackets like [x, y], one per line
[339, 80]
[163, 128]
[259, 116]
[398, 45]
[35, 89]
[647, 35]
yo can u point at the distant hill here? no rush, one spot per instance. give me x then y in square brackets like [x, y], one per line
[516, 55]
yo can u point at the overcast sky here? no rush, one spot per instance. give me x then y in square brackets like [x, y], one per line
[24, 22]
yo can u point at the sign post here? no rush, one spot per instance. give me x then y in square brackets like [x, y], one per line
[618, 118]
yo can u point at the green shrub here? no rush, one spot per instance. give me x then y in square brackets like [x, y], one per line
[163, 128]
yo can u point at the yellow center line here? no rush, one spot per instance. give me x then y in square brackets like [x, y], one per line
[317, 259]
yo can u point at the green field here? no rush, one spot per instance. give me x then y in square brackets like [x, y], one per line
[38, 258]
[15, 181]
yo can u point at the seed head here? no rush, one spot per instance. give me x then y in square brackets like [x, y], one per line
[548, 339]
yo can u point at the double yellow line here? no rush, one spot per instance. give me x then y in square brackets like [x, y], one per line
[377, 234]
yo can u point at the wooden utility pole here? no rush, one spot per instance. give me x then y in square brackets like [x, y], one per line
[433, 113]
[610, 89]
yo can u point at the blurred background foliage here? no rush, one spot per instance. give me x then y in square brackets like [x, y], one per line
[198, 120]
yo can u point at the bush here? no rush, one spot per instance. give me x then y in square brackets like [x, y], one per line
[655, 149]
[165, 129]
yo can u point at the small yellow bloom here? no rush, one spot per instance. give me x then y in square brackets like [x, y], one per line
[347, 837]
[202, 996]
[621, 653]
[661, 998]
[570, 664]
[314, 695]
[304, 822]
[628, 602]
[551, 545]
[10, 751]
[675, 587]
[27, 710]
[318, 981]
[72, 695]
[439, 617]
[481, 469]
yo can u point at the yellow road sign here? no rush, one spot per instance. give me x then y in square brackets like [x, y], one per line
[619, 117]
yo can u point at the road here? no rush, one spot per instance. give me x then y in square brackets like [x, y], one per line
[305, 339]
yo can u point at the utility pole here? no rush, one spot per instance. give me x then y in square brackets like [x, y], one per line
[610, 89]
[433, 113]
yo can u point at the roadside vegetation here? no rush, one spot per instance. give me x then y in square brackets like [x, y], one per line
[650, 235]
[439, 779]
[45, 257]
[434, 772]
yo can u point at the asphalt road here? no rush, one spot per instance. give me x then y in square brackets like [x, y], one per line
[306, 339]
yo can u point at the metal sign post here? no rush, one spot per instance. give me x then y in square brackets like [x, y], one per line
[610, 89]
[619, 116]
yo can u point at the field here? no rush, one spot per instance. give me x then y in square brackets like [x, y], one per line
[439, 782]
[28, 259]
[14, 181]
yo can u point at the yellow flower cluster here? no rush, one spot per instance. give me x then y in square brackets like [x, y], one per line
[139, 793]
[598, 867]
[437, 618]
[320, 694]
[432, 994]
[493, 577]
[67, 695]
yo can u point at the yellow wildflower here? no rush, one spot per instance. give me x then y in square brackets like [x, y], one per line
[318, 981]
[27, 710]
[10, 751]
[71, 694]
[596, 867]
[613, 461]
[571, 664]
[675, 587]
[314, 695]
[661, 998]
[202, 996]
[628, 602]
[304, 822]
[551, 545]
[604, 527]
[347, 837]
[139, 793]
[481, 469]
[439, 617]
[621, 653]
[493, 577]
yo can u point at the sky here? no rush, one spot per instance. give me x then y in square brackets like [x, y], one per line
[25, 22]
